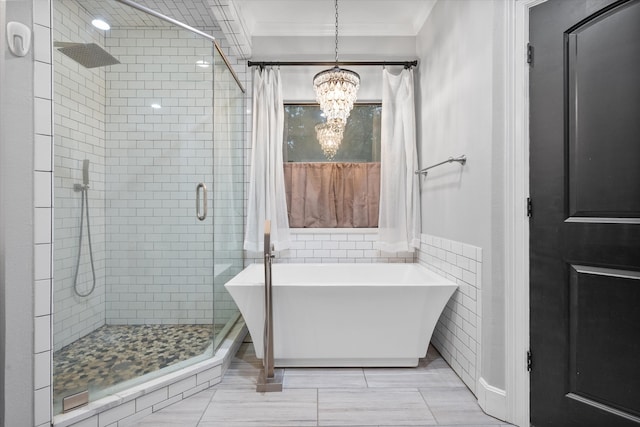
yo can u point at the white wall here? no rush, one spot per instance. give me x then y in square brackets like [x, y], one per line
[16, 226]
[459, 99]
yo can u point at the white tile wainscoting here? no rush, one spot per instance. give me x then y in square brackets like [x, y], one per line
[329, 245]
[457, 334]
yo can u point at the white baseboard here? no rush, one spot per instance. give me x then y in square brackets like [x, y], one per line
[492, 400]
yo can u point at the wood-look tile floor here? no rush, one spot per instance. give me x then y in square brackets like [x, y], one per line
[431, 394]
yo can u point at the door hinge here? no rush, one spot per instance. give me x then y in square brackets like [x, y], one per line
[529, 54]
[529, 207]
[529, 361]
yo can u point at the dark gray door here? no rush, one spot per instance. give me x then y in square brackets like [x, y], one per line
[585, 226]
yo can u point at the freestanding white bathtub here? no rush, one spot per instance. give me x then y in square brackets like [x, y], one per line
[344, 315]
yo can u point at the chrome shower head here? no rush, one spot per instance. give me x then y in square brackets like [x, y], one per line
[89, 55]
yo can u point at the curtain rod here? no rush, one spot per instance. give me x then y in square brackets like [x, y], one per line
[406, 64]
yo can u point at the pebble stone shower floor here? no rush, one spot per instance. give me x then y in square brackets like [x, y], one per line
[116, 353]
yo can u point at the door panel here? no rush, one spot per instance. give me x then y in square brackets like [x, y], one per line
[600, 153]
[585, 231]
[603, 325]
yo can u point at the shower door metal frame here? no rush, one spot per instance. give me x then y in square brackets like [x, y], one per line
[189, 28]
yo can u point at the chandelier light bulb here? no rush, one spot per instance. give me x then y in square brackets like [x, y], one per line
[329, 136]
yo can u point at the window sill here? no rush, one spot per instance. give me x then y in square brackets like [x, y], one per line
[333, 230]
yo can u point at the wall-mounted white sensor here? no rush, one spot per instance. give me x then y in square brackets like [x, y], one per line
[18, 38]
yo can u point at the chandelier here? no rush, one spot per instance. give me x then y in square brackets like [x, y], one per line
[330, 136]
[336, 88]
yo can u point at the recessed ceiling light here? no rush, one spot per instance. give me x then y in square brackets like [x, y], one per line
[100, 24]
[156, 106]
[203, 64]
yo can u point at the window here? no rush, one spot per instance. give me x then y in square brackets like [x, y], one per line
[342, 192]
[361, 142]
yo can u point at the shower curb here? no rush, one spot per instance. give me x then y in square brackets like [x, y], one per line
[151, 396]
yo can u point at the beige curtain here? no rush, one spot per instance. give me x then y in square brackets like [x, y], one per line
[329, 195]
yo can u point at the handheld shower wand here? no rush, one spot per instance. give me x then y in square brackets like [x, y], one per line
[84, 188]
[85, 172]
[85, 177]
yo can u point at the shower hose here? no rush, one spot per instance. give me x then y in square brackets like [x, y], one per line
[84, 203]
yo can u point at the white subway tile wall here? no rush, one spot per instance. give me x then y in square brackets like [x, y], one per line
[79, 134]
[457, 333]
[43, 211]
[156, 156]
[153, 259]
[322, 245]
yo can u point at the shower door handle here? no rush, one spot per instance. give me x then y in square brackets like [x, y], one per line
[202, 216]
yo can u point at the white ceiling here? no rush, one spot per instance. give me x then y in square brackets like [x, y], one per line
[241, 20]
[317, 17]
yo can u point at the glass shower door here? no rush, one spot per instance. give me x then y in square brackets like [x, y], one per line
[146, 127]
[228, 198]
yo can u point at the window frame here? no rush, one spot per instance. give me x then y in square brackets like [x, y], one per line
[321, 230]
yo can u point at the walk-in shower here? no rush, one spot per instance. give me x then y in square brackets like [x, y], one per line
[143, 113]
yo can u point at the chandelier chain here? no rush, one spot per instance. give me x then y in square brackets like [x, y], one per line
[336, 32]
[336, 91]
